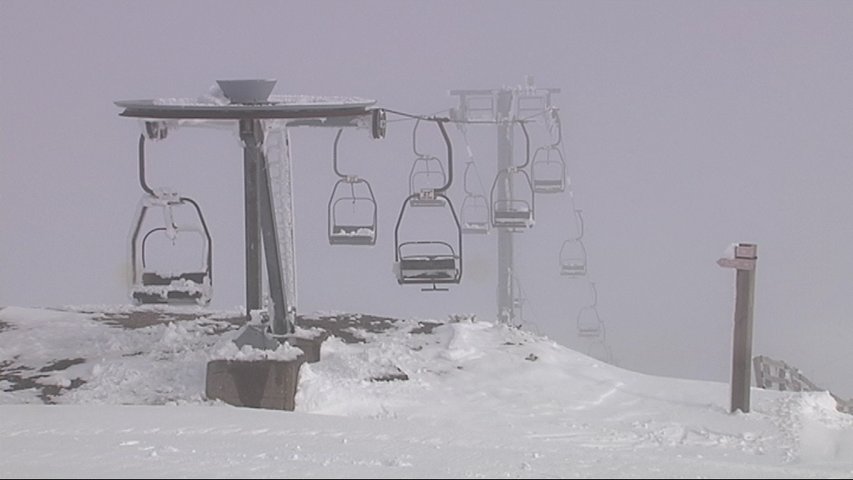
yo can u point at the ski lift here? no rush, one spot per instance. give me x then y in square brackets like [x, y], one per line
[435, 260]
[549, 164]
[475, 215]
[476, 107]
[513, 212]
[519, 299]
[427, 174]
[532, 103]
[352, 208]
[165, 284]
[549, 170]
[474, 211]
[589, 324]
[573, 257]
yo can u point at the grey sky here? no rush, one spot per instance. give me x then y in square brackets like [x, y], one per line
[687, 125]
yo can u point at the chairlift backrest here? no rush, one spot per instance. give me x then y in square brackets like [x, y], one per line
[516, 211]
[548, 170]
[427, 173]
[573, 259]
[475, 215]
[589, 324]
[355, 227]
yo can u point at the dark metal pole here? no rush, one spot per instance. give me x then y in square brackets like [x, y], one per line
[506, 307]
[250, 135]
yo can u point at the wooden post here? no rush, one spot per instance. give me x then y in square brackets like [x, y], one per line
[744, 261]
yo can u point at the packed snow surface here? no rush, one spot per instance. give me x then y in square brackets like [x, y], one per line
[390, 398]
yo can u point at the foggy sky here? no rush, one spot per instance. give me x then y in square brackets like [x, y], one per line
[687, 126]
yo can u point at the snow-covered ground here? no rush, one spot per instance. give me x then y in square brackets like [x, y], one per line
[406, 398]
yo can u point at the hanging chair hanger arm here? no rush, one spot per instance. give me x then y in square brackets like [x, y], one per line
[556, 114]
[209, 259]
[440, 123]
[335, 154]
[526, 146]
[579, 214]
[142, 181]
[415, 138]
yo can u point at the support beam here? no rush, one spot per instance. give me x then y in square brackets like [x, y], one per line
[251, 132]
[251, 179]
[506, 304]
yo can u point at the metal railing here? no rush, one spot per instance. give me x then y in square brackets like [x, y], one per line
[773, 374]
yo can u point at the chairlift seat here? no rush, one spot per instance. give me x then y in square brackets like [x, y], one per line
[169, 296]
[589, 331]
[427, 202]
[352, 235]
[187, 287]
[154, 278]
[548, 185]
[575, 268]
[428, 267]
[475, 228]
[513, 218]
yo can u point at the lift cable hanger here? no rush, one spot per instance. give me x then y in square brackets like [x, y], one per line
[514, 213]
[573, 258]
[358, 226]
[427, 173]
[475, 210]
[589, 323]
[150, 285]
[433, 261]
[549, 164]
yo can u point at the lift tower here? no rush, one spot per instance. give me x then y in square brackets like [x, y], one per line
[503, 108]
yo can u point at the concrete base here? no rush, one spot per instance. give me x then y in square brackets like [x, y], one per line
[310, 346]
[258, 383]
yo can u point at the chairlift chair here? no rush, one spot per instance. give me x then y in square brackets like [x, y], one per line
[515, 210]
[428, 261]
[352, 215]
[513, 213]
[548, 170]
[434, 260]
[185, 285]
[589, 324]
[474, 214]
[573, 258]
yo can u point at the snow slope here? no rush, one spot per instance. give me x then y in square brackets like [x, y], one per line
[405, 399]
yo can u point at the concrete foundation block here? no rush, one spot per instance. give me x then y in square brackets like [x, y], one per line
[267, 384]
[309, 345]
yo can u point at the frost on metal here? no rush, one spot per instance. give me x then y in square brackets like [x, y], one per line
[277, 152]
